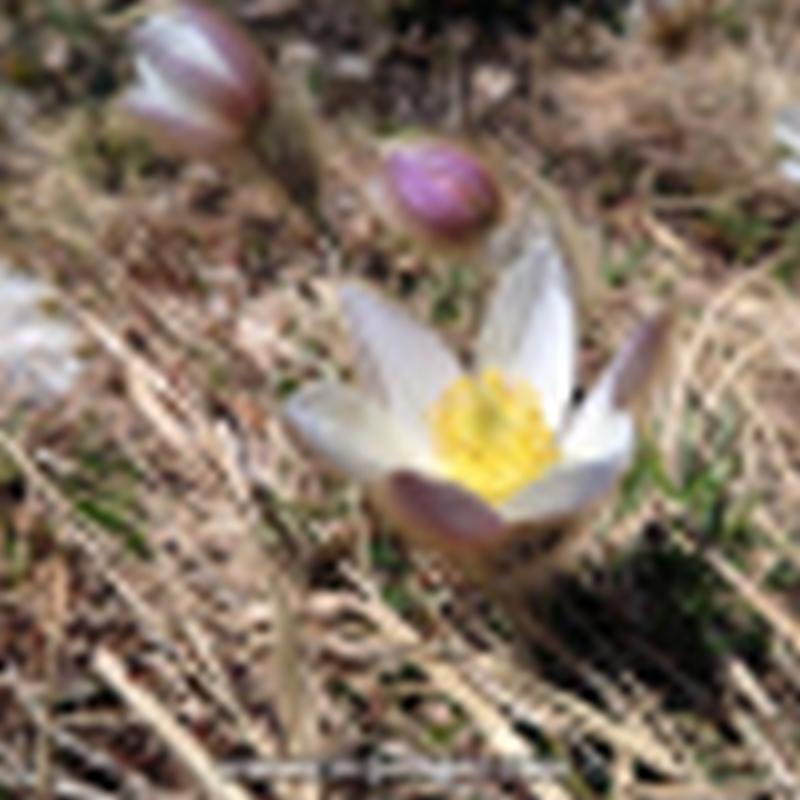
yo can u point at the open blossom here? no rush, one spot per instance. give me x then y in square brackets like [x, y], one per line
[436, 191]
[202, 83]
[466, 459]
[787, 135]
[38, 350]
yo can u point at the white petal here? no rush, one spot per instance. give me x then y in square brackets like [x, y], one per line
[405, 363]
[155, 95]
[572, 487]
[789, 169]
[530, 326]
[592, 430]
[18, 291]
[39, 335]
[180, 33]
[350, 432]
[38, 350]
[787, 128]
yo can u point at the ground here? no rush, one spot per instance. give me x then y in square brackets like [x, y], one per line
[185, 596]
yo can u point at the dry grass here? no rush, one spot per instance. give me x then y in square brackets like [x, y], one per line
[184, 598]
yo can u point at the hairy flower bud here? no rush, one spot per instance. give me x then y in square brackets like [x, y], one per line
[437, 191]
[203, 84]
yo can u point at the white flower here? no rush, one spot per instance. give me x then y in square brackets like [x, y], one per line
[787, 135]
[202, 82]
[38, 358]
[461, 458]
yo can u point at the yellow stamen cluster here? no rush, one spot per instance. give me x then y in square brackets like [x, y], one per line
[490, 434]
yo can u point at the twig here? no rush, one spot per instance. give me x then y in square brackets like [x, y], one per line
[65, 742]
[62, 789]
[183, 744]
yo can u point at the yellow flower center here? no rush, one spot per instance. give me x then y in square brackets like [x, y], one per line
[490, 434]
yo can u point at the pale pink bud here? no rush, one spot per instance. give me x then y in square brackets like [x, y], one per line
[437, 190]
[202, 82]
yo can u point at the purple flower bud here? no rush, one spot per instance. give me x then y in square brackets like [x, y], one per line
[439, 190]
[202, 82]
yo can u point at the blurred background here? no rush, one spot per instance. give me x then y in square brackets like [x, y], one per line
[185, 597]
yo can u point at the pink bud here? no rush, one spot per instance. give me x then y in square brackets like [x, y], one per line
[439, 190]
[202, 82]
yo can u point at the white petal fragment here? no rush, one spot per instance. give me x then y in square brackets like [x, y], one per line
[787, 128]
[789, 170]
[574, 486]
[350, 432]
[38, 351]
[406, 364]
[593, 430]
[530, 328]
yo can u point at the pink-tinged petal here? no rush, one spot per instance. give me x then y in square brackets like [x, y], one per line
[172, 38]
[350, 432]
[592, 431]
[196, 62]
[208, 57]
[442, 517]
[572, 488]
[530, 328]
[237, 48]
[178, 126]
[202, 88]
[407, 365]
[639, 358]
